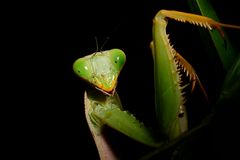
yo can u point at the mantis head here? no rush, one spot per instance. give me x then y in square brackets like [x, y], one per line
[101, 69]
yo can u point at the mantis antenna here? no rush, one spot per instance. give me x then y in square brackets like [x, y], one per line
[96, 41]
[104, 43]
[106, 39]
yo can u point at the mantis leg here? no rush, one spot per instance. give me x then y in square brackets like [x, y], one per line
[168, 64]
[103, 110]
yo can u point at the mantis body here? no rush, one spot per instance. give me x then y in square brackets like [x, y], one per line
[101, 70]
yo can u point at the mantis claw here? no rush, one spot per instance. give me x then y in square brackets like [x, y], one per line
[196, 20]
[190, 72]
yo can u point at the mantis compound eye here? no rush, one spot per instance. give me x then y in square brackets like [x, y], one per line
[118, 58]
[83, 68]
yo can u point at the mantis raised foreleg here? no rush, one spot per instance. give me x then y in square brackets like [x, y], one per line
[167, 65]
[101, 70]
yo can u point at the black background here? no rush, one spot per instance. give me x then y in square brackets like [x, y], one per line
[46, 105]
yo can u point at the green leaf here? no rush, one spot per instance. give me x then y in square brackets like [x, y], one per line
[231, 85]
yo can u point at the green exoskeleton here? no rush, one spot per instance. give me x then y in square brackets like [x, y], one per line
[101, 69]
[102, 104]
[168, 64]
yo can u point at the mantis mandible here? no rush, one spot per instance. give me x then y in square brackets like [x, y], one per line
[101, 70]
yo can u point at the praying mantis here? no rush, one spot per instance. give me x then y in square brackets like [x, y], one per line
[103, 105]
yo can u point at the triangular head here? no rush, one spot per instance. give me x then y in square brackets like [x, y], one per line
[101, 69]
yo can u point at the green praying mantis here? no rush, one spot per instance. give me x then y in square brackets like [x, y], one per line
[103, 106]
